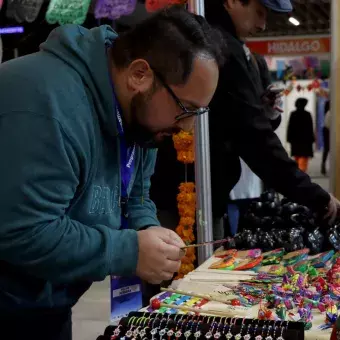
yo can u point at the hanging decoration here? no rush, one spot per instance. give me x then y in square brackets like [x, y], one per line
[184, 145]
[24, 10]
[114, 9]
[67, 11]
[315, 86]
[155, 5]
[186, 201]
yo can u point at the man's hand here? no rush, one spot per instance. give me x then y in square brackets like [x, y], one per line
[333, 210]
[159, 255]
[272, 101]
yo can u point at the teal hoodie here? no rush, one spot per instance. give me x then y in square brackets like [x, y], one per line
[60, 174]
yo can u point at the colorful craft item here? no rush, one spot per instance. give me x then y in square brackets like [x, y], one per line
[253, 254]
[276, 253]
[321, 285]
[155, 5]
[301, 267]
[264, 313]
[281, 312]
[114, 9]
[305, 313]
[274, 270]
[320, 260]
[225, 253]
[334, 273]
[289, 304]
[308, 325]
[225, 262]
[296, 256]
[336, 330]
[67, 11]
[248, 264]
[331, 318]
[156, 304]
[271, 260]
[235, 302]
[332, 309]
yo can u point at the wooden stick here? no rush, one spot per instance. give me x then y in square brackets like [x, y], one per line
[206, 243]
[201, 296]
[200, 311]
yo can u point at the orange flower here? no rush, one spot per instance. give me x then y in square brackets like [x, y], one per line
[186, 211]
[187, 187]
[187, 231]
[187, 221]
[186, 268]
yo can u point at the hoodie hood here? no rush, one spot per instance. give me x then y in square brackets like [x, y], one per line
[86, 52]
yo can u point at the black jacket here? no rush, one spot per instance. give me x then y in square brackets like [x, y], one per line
[300, 133]
[239, 128]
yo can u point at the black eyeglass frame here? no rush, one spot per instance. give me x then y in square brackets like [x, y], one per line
[186, 113]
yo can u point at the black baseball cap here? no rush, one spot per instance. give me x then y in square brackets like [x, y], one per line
[283, 6]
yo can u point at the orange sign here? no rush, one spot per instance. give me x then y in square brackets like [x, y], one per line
[291, 46]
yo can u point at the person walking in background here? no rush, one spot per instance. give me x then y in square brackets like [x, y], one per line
[326, 137]
[300, 134]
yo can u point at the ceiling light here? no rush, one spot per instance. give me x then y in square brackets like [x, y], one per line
[294, 21]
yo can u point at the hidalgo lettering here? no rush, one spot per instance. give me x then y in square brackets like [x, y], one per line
[289, 47]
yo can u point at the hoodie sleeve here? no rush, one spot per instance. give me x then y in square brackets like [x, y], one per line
[142, 210]
[39, 175]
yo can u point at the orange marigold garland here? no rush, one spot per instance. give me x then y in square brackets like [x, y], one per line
[184, 145]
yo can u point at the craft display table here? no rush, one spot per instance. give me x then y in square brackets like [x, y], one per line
[215, 283]
[208, 303]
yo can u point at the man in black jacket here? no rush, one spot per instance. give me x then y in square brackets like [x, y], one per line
[238, 125]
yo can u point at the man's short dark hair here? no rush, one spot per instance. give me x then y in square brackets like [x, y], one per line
[169, 41]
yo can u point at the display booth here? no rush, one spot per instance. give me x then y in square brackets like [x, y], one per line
[278, 278]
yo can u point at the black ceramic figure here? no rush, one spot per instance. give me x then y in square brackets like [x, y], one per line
[273, 223]
[334, 236]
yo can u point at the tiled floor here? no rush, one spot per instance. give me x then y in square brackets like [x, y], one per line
[91, 314]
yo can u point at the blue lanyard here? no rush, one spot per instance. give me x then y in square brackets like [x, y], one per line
[127, 164]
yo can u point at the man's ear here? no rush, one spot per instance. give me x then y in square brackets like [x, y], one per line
[140, 76]
[230, 4]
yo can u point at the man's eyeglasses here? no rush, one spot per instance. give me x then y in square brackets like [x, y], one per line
[186, 113]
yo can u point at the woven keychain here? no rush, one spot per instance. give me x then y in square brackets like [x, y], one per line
[67, 11]
[27, 10]
[114, 9]
[155, 5]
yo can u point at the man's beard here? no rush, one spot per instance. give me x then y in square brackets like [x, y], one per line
[137, 132]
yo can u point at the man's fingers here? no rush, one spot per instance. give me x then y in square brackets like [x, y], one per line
[172, 266]
[171, 252]
[167, 275]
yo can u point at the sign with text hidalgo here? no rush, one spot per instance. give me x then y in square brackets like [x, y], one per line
[297, 46]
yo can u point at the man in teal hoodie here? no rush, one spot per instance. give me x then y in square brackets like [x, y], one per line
[77, 123]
